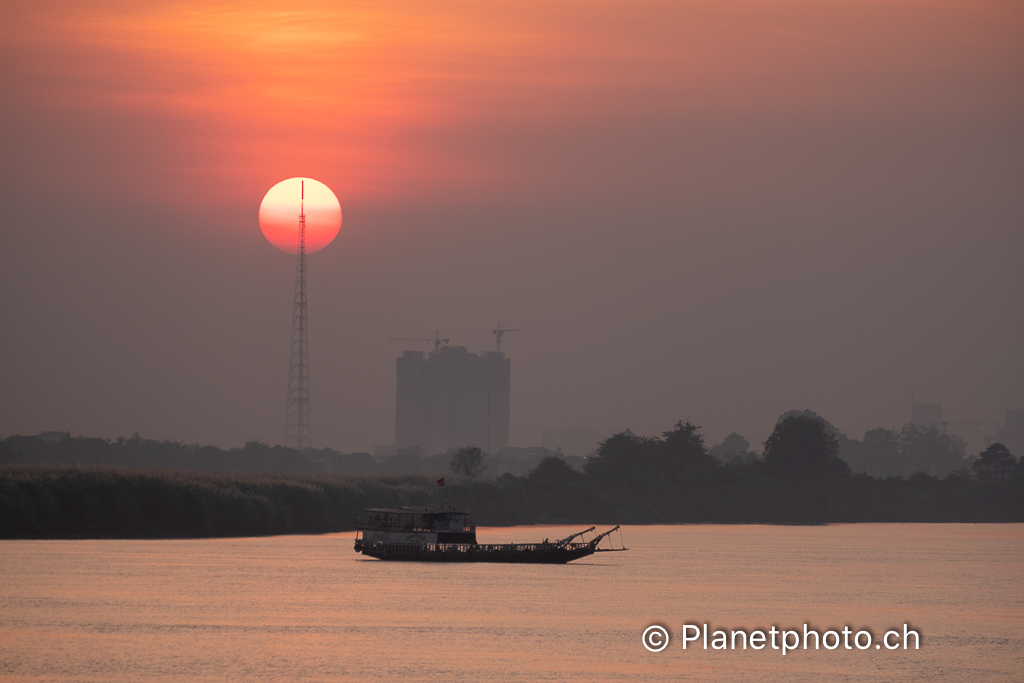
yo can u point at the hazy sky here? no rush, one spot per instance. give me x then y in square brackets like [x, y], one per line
[714, 211]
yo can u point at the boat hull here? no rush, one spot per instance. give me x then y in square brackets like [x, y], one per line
[518, 553]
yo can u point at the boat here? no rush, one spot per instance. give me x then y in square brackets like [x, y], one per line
[425, 535]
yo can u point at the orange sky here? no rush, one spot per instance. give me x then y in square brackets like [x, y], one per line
[715, 210]
[405, 100]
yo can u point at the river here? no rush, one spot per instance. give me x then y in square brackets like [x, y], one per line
[308, 608]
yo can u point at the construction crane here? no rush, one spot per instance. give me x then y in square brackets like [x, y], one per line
[498, 332]
[437, 340]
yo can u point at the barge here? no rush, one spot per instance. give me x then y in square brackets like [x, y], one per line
[425, 535]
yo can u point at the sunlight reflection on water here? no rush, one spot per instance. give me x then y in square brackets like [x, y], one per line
[309, 607]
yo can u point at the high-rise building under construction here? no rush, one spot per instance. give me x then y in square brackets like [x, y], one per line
[451, 398]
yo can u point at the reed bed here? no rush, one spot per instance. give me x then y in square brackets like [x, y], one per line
[88, 501]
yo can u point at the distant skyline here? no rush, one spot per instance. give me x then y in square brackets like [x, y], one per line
[708, 211]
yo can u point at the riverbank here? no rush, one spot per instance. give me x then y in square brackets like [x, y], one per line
[82, 501]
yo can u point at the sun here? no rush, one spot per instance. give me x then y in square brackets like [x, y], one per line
[279, 215]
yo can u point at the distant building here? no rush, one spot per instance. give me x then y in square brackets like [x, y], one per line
[926, 414]
[451, 398]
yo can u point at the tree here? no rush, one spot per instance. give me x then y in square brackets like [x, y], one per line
[682, 451]
[926, 449]
[623, 459]
[468, 460]
[626, 459]
[829, 427]
[878, 453]
[612, 457]
[995, 462]
[803, 448]
[882, 454]
[734, 449]
[553, 470]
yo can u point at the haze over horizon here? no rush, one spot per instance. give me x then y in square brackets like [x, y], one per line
[708, 211]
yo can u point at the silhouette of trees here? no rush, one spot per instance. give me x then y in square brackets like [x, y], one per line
[829, 427]
[681, 452]
[803, 448]
[995, 463]
[734, 450]
[914, 448]
[878, 453]
[623, 459]
[633, 480]
[626, 459]
[553, 470]
[468, 460]
[926, 449]
[882, 448]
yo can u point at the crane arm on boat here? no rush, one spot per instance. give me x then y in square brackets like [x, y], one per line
[605, 550]
[567, 539]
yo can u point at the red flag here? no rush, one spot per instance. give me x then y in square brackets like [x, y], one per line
[440, 482]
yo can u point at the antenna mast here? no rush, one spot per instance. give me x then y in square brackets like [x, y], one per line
[296, 433]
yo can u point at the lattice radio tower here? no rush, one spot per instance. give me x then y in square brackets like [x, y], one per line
[296, 432]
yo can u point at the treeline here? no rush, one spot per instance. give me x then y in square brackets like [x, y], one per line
[55, 448]
[672, 478]
[880, 453]
[800, 478]
[60, 448]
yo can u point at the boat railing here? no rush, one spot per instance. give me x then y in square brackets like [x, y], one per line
[373, 523]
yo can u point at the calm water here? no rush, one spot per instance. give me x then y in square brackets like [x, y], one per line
[309, 608]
